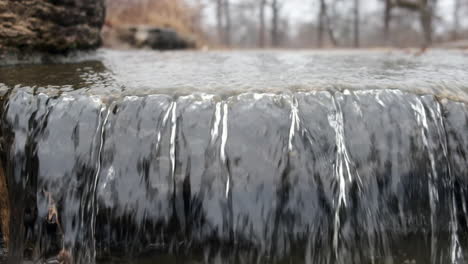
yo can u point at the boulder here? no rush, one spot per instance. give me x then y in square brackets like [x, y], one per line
[144, 36]
[51, 26]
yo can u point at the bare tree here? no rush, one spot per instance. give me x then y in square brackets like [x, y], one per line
[275, 23]
[356, 22]
[387, 18]
[331, 34]
[223, 21]
[227, 29]
[456, 19]
[324, 21]
[427, 13]
[261, 33]
[425, 8]
[219, 19]
[321, 22]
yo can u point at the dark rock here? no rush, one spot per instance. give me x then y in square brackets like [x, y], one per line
[4, 209]
[149, 37]
[52, 26]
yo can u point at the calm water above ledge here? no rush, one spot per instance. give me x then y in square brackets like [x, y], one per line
[111, 72]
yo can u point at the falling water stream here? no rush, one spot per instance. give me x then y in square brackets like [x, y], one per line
[238, 157]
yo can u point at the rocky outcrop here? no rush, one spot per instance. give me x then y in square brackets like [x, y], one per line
[52, 26]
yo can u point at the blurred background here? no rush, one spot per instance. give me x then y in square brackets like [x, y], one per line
[173, 24]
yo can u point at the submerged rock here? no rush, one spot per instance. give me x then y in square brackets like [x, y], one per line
[52, 26]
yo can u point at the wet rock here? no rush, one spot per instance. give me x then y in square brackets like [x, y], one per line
[4, 208]
[143, 36]
[52, 26]
[65, 257]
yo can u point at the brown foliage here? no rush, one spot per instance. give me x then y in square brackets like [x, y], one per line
[173, 14]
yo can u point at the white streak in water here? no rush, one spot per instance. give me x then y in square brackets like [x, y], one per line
[131, 98]
[68, 98]
[456, 250]
[166, 117]
[168, 112]
[342, 166]
[173, 136]
[102, 129]
[109, 178]
[421, 119]
[221, 118]
[96, 100]
[295, 122]
[224, 136]
[215, 128]
[379, 100]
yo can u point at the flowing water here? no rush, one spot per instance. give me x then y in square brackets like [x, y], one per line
[238, 157]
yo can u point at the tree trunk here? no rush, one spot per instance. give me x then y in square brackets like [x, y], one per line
[356, 23]
[426, 15]
[274, 23]
[219, 20]
[227, 15]
[331, 34]
[329, 24]
[410, 5]
[387, 18]
[321, 20]
[261, 33]
[426, 12]
[456, 19]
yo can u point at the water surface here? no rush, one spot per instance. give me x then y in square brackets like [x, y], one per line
[239, 157]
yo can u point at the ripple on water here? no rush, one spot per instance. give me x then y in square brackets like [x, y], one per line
[110, 72]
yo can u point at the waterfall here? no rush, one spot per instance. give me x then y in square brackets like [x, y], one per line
[365, 176]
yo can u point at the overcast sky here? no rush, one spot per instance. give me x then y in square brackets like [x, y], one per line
[298, 11]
